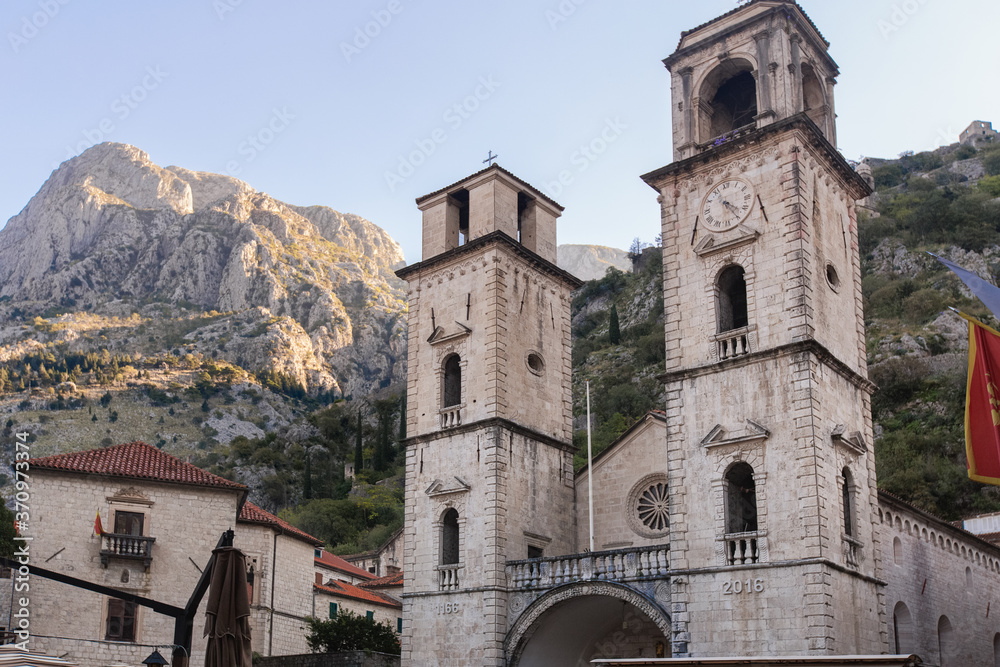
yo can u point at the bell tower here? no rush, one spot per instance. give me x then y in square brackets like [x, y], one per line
[489, 469]
[773, 498]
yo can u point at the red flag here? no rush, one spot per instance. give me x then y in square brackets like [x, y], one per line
[98, 528]
[982, 404]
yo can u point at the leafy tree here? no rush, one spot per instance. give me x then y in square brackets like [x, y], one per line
[614, 331]
[350, 632]
[106, 399]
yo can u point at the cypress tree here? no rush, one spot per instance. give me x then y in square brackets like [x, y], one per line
[359, 460]
[402, 417]
[307, 485]
[614, 332]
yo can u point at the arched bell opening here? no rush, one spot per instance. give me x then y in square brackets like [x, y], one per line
[727, 99]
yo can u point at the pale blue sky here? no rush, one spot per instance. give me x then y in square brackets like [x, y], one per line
[189, 81]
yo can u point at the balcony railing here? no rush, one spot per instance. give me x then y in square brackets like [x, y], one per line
[852, 551]
[618, 565]
[448, 577]
[731, 344]
[135, 547]
[743, 548]
[451, 416]
[728, 136]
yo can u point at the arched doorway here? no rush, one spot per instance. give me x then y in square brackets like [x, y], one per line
[574, 624]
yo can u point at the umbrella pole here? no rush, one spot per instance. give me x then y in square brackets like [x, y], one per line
[184, 625]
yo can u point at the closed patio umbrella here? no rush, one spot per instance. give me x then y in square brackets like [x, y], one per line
[228, 615]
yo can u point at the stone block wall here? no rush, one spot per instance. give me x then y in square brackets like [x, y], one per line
[380, 613]
[943, 588]
[342, 659]
[620, 476]
[186, 522]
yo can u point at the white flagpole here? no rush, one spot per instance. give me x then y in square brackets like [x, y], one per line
[590, 473]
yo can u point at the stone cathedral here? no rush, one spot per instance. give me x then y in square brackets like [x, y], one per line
[741, 520]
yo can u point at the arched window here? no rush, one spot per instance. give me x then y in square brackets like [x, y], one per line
[731, 289]
[897, 551]
[902, 629]
[449, 538]
[727, 99]
[848, 503]
[813, 98]
[741, 499]
[452, 381]
[996, 650]
[946, 643]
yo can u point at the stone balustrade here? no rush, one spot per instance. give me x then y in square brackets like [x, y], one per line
[448, 577]
[137, 547]
[451, 416]
[618, 565]
[742, 548]
[730, 344]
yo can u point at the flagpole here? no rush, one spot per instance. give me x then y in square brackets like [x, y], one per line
[590, 473]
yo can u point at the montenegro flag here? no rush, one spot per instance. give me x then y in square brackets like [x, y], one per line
[982, 403]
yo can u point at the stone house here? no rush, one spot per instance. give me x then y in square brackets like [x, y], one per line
[329, 566]
[391, 586]
[280, 576]
[978, 132]
[162, 518]
[335, 597]
[386, 560]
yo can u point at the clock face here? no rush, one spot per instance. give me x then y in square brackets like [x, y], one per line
[727, 205]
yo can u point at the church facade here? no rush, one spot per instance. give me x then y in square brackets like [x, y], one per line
[742, 520]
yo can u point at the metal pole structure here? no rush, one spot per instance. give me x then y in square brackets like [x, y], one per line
[590, 473]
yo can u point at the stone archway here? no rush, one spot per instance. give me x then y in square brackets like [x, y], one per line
[578, 622]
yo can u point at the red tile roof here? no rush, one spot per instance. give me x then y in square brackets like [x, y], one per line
[344, 589]
[135, 460]
[251, 513]
[391, 580]
[327, 559]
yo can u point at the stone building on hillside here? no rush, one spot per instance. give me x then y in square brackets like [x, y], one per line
[979, 132]
[743, 520]
[162, 518]
[384, 561]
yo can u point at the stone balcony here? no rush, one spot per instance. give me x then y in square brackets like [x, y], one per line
[620, 565]
[451, 416]
[132, 547]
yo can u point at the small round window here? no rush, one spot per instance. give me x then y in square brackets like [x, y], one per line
[535, 364]
[832, 277]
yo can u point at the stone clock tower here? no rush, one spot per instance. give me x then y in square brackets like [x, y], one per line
[771, 472]
[489, 469]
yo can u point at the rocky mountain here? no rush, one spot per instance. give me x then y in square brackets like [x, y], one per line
[591, 262]
[305, 293]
